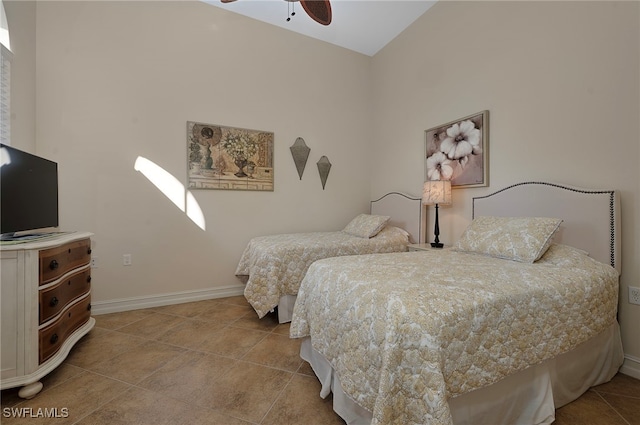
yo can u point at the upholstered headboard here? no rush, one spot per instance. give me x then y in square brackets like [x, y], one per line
[405, 212]
[591, 218]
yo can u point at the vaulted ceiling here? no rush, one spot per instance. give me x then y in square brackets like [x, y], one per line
[364, 26]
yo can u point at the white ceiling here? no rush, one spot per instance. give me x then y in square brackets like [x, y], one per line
[364, 26]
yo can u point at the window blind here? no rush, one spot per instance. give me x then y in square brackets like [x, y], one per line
[5, 95]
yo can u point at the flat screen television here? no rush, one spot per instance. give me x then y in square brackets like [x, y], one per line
[28, 193]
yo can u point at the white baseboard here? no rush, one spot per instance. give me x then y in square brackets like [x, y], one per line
[631, 366]
[135, 303]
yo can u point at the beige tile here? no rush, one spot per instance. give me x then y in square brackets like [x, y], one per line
[59, 375]
[300, 403]
[233, 342]
[100, 345]
[225, 313]
[590, 409]
[282, 329]
[203, 416]
[627, 407]
[152, 326]
[306, 369]
[236, 300]
[191, 333]
[79, 396]
[115, 321]
[139, 362]
[190, 309]
[246, 391]
[277, 351]
[189, 375]
[251, 321]
[136, 407]
[621, 384]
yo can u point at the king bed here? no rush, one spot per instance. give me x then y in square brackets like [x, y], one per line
[514, 320]
[273, 266]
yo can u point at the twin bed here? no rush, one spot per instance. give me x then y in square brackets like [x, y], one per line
[515, 320]
[274, 265]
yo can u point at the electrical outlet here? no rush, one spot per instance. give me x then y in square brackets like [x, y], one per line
[126, 259]
[94, 262]
[634, 295]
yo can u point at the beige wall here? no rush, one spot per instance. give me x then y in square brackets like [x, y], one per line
[21, 17]
[561, 82]
[118, 80]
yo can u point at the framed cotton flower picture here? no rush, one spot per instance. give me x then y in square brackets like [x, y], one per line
[458, 151]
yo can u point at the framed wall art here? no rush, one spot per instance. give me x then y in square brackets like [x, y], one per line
[459, 151]
[230, 158]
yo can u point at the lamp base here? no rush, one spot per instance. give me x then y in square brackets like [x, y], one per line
[437, 245]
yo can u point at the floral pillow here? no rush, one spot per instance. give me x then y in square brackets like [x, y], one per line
[366, 225]
[560, 255]
[523, 239]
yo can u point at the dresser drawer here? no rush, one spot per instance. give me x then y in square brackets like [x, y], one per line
[55, 262]
[55, 299]
[53, 336]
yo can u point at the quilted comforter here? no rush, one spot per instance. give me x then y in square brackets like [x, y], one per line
[405, 332]
[276, 264]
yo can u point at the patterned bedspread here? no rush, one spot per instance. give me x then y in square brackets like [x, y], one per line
[405, 332]
[276, 264]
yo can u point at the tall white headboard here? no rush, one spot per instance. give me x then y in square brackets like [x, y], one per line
[406, 212]
[591, 218]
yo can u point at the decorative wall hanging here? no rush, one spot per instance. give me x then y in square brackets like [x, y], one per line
[232, 158]
[300, 152]
[323, 168]
[459, 151]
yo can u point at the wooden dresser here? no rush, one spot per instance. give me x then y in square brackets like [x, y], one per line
[46, 306]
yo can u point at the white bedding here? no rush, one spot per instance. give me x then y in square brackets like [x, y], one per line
[276, 264]
[407, 332]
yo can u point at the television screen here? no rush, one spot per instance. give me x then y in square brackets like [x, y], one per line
[28, 192]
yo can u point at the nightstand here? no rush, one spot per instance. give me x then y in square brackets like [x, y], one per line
[423, 247]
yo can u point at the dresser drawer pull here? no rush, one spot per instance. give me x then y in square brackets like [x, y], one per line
[53, 265]
[88, 307]
[89, 251]
[54, 338]
[53, 302]
[89, 279]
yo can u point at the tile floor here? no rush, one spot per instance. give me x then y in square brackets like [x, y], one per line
[213, 362]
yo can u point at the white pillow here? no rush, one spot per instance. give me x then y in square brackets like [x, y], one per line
[523, 239]
[366, 225]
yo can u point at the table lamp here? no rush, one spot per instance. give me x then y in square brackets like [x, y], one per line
[436, 192]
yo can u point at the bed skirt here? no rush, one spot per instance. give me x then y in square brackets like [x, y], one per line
[527, 397]
[285, 308]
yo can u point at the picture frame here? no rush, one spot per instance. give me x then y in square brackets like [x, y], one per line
[459, 151]
[229, 158]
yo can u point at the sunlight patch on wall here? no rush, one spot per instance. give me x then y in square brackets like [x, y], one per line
[4, 28]
[172, 188]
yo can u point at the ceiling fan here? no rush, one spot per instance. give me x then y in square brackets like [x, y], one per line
[318, 10]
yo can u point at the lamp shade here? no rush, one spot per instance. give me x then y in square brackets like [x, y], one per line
[436, 192]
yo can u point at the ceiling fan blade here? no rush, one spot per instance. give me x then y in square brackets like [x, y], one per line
[318, 10]
[227, 1]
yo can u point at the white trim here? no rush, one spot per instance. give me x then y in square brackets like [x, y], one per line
[631, 366]
[135, 303]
